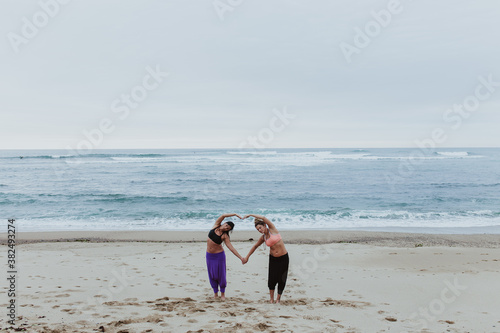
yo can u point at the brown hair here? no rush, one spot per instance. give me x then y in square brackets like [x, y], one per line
[258, 221]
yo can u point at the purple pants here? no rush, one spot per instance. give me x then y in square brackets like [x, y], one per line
[216, 265]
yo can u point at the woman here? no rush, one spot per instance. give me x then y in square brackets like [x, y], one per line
[216, 258]
[278, 255]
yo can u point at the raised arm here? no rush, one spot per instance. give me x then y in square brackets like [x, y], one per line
[232, 249]
[222, 217]
[270, 224]
[254, 247]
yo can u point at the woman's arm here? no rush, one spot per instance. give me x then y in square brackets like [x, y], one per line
[270, 224]
[254, 247]
[221, 218]
[230, 247]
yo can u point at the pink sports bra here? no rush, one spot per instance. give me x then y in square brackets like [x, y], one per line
[273, 239]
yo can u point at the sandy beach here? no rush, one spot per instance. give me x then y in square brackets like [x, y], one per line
[338, 282]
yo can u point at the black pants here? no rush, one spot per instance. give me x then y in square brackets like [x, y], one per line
[278, 272]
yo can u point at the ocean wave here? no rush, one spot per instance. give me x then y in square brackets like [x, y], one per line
[113, 156]
[298, 158]
[353, 219]
[391, 214]
[417, 157]
[138, 159]
[301, 158]
[123, 198]
[203, 220]
[309, 158]
[275, 154]
[463, 185]
[43, 157]
[45, 198]
[252, 152]
[298, 217]
[453, 153]
[84, 156]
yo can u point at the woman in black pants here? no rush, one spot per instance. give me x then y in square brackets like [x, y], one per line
[278, 256]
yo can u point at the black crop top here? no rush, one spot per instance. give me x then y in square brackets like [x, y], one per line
[214, 237]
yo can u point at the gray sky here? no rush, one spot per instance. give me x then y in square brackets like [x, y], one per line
[226, 76]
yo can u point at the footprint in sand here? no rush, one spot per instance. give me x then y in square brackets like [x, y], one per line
[131, 299]
[71, 290]
[309, 317]
[194, 309]
[228, 314]
[299, 301]
[262, 327]
[345, 303]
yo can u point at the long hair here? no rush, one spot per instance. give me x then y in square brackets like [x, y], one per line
[257, 222]
[231, 224]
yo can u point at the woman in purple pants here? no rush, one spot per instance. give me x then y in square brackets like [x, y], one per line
[216, 258]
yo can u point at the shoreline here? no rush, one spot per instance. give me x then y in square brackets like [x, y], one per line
[376, 238]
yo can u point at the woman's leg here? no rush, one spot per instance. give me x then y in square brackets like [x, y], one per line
[222, 275]
[271, 295]
[272, 278]
[213, 272]
[283, 274]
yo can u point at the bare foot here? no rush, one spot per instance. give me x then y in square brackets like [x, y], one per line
[216, 296]
[271, 301]
[223, 296]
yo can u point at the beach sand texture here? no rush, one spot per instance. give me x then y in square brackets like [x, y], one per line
[379, 282]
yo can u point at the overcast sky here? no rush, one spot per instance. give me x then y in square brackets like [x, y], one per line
[229, 69]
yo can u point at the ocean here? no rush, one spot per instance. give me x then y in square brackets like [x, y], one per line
[367, 189]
